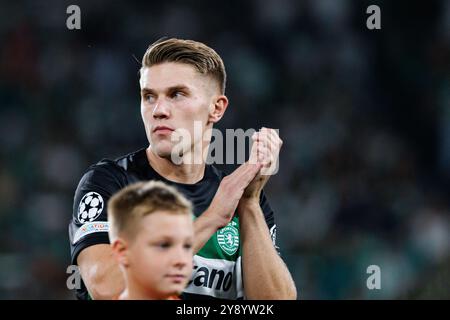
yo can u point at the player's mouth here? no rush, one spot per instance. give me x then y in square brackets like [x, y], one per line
[164, 130]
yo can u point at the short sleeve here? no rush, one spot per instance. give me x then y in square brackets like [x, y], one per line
[89, 224]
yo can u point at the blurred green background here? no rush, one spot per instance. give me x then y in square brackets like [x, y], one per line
[364, 115]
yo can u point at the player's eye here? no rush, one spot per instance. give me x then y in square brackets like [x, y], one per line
[176, 94]
[149, 98]
[187, 246]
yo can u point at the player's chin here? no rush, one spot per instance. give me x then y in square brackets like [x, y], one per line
[163, 149]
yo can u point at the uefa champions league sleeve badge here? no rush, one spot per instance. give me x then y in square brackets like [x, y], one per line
[90, 207]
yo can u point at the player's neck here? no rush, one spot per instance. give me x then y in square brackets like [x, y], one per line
[183, 173]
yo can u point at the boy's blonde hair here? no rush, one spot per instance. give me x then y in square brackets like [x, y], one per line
[203, 58]
[138, 200]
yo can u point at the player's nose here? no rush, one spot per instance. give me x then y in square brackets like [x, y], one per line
[161, 110]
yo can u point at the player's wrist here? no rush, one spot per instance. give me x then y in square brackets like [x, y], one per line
[215, 220]
[249, 204]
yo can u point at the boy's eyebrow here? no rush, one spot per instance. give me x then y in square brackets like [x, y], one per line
[161, 237]
[166, 237]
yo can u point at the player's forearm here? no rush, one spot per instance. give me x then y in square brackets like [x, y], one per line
[101, 273]
[204, 227]
[104, 285]
[265, 275]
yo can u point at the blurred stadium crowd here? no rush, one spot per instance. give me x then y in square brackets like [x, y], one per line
[364, 115]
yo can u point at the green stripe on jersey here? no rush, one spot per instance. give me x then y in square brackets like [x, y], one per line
[224, 243]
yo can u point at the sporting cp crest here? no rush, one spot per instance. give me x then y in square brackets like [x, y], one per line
[228, 238]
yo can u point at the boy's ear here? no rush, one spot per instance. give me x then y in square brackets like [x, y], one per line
[120, 251]
[218, 108]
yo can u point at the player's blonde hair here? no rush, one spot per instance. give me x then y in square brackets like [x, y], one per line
[129, 205]
[205, 60]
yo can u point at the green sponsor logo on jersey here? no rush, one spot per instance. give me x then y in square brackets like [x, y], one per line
[228, 238]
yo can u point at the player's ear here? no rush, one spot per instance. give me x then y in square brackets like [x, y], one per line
[119, 247]
[217, 109]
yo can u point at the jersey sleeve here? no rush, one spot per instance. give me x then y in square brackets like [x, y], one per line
[270, 219]
[89, 225]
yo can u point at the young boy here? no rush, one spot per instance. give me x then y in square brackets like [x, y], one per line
[151, 233]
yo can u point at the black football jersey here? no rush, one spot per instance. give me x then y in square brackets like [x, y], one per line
[217, 269]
